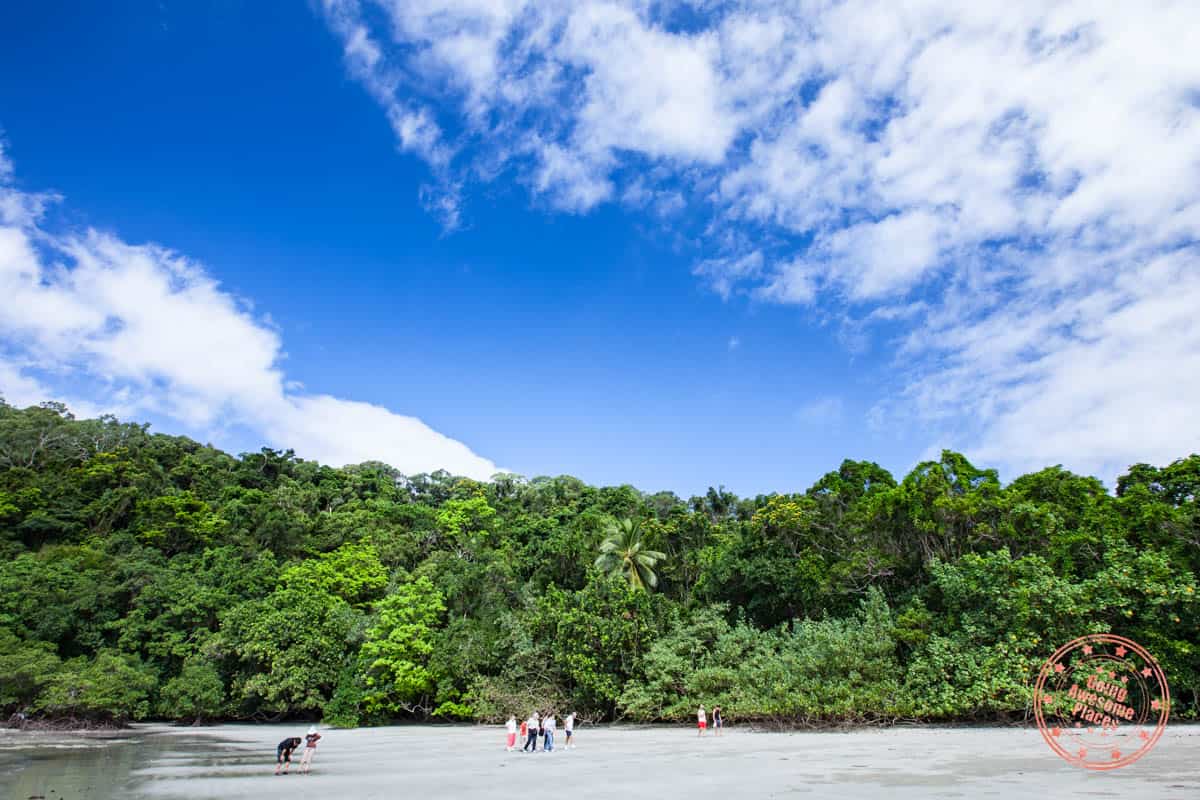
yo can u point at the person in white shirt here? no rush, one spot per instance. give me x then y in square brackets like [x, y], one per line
[701, 721]
[531, 734]
[569, 727]
[510, 727]
[548, 728]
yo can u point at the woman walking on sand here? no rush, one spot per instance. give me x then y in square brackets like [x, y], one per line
[510, 728]
[717, 723]
[310, 749]
[531, 734]
[548, 727]
[701, 721]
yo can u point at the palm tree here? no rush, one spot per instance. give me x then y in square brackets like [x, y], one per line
[622, 551]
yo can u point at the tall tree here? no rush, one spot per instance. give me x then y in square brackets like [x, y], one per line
[624, 551]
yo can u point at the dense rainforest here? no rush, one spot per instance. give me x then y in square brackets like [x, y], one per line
[149, 576]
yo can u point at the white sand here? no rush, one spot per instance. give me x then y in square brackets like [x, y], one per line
[655, 762]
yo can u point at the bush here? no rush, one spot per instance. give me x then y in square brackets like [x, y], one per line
[27, 667]
[111, 687]
[195, 694]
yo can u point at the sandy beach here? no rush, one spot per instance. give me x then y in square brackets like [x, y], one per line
[236, 761]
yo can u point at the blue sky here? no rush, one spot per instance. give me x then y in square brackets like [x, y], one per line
[669, 244]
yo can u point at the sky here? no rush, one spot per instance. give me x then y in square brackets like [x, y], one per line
[671, 244]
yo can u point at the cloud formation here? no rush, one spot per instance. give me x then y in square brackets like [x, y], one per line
[1013, 182]
[822, 412]
[154, 332]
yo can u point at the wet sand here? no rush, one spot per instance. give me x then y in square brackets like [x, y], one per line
[236, 761]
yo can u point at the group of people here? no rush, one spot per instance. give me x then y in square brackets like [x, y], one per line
[539, 726]
[543, 726]
[702, 721]
[283, 752]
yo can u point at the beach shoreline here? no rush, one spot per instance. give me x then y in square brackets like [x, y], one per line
[467, 760]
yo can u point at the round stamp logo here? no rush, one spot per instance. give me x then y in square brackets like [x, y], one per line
[1101, 701]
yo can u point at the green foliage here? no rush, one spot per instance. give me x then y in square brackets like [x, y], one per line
[291, 647]
[397, 648]
[352, 572]
[27, 667]
[773, 568]
[196, 693]
[176, 612]
[466, 648]
[176, 523]
[111, 686]
[63, 594]
[661, 692]
[493, 698]
[345, 708]
[146, 574]
[594, 638]
[466, 522]
[624, 552]
[836, 669]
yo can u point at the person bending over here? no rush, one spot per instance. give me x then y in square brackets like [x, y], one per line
[283, 754]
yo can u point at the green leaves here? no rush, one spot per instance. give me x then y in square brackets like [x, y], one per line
[623, 551]
[395, 655]
[466, 522]
[27, 667]
[594, 638]
[352, 572]
[196, 693]
[840, 669]
[291, 647]
[111, 686]
[176, 523]
[215, 586]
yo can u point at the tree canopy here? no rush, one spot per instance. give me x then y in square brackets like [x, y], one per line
[145, 575]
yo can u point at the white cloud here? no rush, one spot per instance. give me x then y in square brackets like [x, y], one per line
[18, 208]
[877, 259]
[159, 334]
[575, 183]
[344, 430]
[18, 388]
[414, 126]
[1015, 181]
[725, 272]
[821, 412]
[645, 89]
[794, 282]
[1096, 379]
[568, 87]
